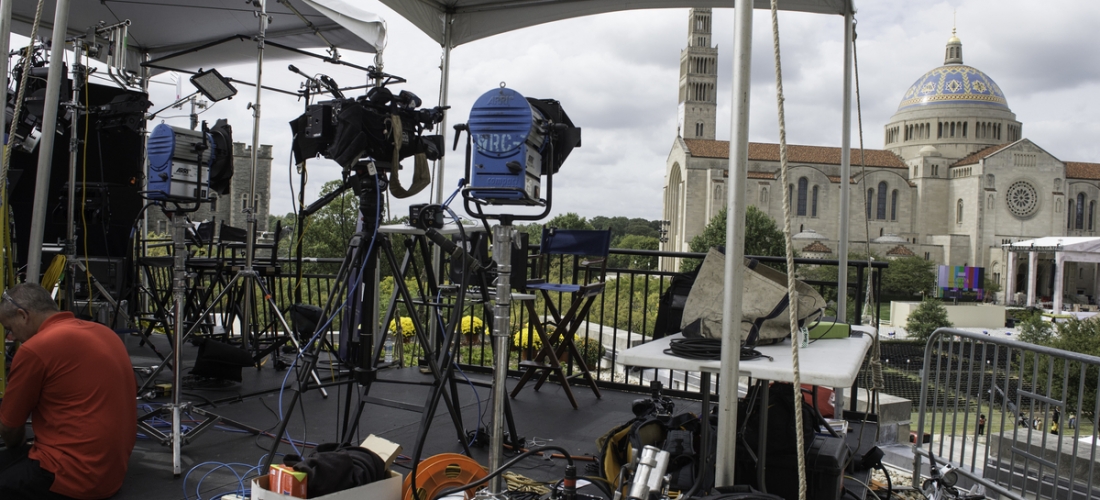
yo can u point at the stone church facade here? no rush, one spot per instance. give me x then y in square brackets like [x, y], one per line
[956, 180]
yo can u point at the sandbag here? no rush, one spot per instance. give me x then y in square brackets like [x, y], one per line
[764, 302]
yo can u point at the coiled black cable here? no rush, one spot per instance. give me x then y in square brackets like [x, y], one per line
[707, 349]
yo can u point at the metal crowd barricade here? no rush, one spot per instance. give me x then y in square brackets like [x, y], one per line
[1026, 446]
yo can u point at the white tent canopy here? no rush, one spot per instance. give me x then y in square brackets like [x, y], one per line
[476, 19]
[163, 27]
[1064, 248]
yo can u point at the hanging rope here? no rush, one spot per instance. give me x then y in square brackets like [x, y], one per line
[9, 257]
[793, 309]
[878, 382]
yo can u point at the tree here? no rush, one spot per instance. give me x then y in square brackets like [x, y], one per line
[926, 318]
[635, 242]
[908, 277]
[762, 237]
[992, 288]
[569, 221]
[330, 228]
[1034, 330]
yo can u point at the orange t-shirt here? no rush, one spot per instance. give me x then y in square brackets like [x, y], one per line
[75, 380]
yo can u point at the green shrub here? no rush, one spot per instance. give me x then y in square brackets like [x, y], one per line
[926, 318]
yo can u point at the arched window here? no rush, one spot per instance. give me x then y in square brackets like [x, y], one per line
[959, 212]
[1069, 214]
[881, 231]
[1057, 184]
[813, 203]
[989, 202]
[802, 185]
[1079, 223]
[894, 205]
[717, 192]
[1092, 212]
[989, 181]
[763, 196]
[699, 129]
[880, 208]
[870, 198]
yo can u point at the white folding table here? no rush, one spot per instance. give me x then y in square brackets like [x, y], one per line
[831, 363]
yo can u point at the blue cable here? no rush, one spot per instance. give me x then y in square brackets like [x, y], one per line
[198, 487]
[461, 183]
[355, 284]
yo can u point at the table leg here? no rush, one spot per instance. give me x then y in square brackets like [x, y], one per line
[761, 456]
[707, 469]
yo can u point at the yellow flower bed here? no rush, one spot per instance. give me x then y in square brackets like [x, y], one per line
[472, 325]
[407, 328]
[521, 337]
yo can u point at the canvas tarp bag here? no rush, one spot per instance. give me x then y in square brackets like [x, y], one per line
[764, 302]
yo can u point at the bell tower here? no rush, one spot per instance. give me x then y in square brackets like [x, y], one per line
[698, 79]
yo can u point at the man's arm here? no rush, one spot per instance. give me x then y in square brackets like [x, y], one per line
[13, 436]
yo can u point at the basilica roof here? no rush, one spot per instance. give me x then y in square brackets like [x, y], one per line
[972, 158]
[954, 84]
[758, 151]
[1082, 170]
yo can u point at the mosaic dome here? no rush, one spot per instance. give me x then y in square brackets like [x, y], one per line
[954, 84]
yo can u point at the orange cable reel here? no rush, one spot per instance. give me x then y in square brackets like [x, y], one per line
[441, 472]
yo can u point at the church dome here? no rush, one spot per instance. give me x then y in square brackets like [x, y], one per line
[954, 84]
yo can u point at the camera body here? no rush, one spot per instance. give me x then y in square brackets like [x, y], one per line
[370, 126]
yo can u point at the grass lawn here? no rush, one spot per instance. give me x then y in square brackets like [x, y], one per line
[993, 423]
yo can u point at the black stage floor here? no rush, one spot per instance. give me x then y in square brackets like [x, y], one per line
[543, 417]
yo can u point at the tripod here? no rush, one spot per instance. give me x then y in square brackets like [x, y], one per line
[359, 326]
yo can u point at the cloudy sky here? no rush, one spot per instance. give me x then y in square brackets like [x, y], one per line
[616, 75]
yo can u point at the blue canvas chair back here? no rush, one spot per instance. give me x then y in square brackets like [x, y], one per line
[576, 242]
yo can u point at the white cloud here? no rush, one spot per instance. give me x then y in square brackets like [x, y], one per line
[616, 75]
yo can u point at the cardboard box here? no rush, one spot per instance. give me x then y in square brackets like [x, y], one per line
[284, 479]
[386, 489]
[385, 449]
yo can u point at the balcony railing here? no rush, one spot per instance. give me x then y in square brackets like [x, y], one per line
[623, 316]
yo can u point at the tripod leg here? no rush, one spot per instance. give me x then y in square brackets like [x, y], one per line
[286, 328]
[191, 330]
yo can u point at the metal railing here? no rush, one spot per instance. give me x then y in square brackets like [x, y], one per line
[623, 316]
[1018, 418]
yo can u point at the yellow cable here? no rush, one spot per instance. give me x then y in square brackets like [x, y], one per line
[54, 272]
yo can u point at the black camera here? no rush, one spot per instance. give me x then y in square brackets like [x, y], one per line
[370, 126]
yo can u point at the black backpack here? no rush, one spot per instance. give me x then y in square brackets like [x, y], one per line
[670, 310]
[781, 459]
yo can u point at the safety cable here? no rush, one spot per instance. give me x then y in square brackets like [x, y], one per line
[878, 381]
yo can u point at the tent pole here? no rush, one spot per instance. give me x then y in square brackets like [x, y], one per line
[45, 145]
[735, 249]
[5, 37]
[444, 90]
[845, 175]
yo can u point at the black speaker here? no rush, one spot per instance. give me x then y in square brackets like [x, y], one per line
[113, 273]
[110, 160]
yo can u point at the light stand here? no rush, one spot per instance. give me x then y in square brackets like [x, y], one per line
[498, 181]
[179, 292]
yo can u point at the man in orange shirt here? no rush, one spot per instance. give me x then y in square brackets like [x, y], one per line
[74, 380]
